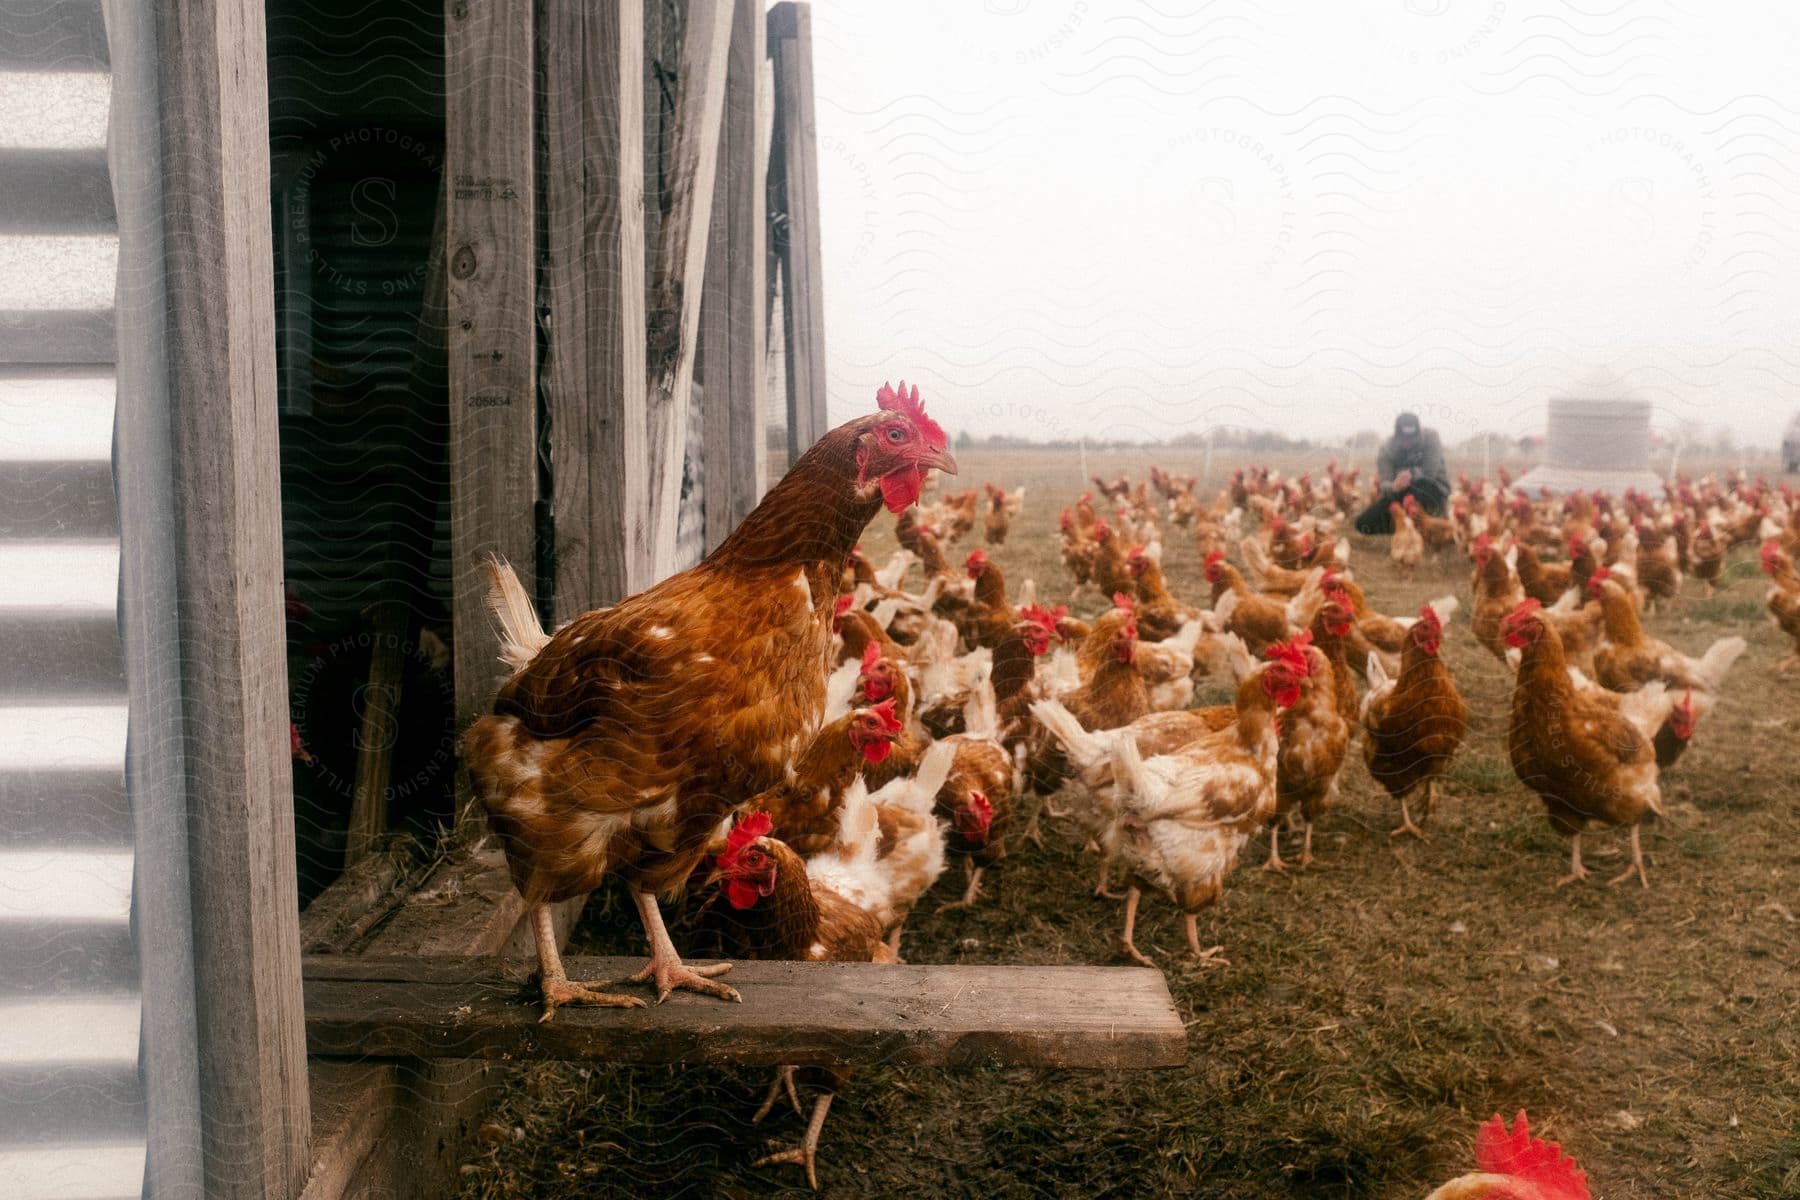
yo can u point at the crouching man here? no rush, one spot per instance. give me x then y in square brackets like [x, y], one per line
[1411, 464]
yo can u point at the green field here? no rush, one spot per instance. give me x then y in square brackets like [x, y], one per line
[1379, 1004]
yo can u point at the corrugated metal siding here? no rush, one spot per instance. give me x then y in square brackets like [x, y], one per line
[72, 1110]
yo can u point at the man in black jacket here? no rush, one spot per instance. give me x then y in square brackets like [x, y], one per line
[1411, 464]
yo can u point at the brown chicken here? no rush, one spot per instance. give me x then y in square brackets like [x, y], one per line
[1159, 615]
[1259, 620]
[1629, 658]
[1414, 723]
[1783, 598]
[1543, 582]
[1113, 695]
[1497, 593]
[622, 743]
[1575, 748]
[1314, 739]
[804, 806]
[837, 906]
[1706, 556]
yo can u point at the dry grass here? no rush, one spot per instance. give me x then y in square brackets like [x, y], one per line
[1379, 1004]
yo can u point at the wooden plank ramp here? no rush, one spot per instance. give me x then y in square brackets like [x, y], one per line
[830, 1014]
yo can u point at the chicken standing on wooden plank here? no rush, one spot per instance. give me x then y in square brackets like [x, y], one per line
[622, 742]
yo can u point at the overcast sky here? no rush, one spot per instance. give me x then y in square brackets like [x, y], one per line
[1066, 216]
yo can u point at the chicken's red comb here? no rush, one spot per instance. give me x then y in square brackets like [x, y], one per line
[885, 713]
[907, 404]
[1526, 607]
[1292, 655]
[1600, 576]
[1213, 556]
[843, 604]
[746, 830]
[1518, 1155]
[1121, 600]
[1429, 619]
[1137, 552]
[977, 561]
[871, 657]
[1771, 552]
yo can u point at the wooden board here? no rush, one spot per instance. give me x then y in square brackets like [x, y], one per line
[396, 1129]
[233, 688]
[678, 268]
[592, 296]
[823, 1013]
[735, 453]
[794, 223]
[492, 337]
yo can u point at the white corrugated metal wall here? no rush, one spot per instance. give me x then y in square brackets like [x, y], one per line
[72, 1113]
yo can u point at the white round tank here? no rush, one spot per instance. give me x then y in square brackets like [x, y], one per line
[1595, 445]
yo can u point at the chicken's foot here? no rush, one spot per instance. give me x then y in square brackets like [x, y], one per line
[970, 892]
[784, 1078]
[555, 984]
[1131, 903]
[1210, 957]
[806, 1154]
[1406, 823]
[1637, 862]
[665, 966]
[1577, 872]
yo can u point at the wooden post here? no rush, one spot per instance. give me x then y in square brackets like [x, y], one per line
[592, 290]
[678, 274]
[794, 223]
[492, 346]
[731, 310]
[233, 689]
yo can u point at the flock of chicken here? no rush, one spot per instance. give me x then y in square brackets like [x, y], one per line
[802, 740]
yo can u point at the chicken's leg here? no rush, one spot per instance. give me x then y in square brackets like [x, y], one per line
[1210, 957]
[1637, 862]
[806, 1154]
[1102, 886]
[784, 1078]
[1275, 863]
[1306, 856]
[1131, 903]
[665, 966]
[555, 984]
[970, 892]
[1577, 872]
[1406, 823]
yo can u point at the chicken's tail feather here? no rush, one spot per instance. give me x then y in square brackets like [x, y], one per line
[521, 633]
[1083, 748]
[1718, 660]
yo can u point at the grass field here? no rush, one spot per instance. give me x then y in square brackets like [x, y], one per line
[1379, 1004]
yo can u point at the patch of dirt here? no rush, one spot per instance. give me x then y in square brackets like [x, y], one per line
[1378, 1006]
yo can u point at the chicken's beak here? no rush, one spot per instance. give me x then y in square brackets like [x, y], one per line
[712, 878]
[941, 460]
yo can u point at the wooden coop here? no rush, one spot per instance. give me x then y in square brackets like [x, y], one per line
[386, 287]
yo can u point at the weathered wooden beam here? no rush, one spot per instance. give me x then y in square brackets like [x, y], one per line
[794, 223]
[731, 309]
[233, 689]
[396, 1129]
[592, 296]
[489, 240]
[824, 1013]
[678, 272]
[379, 729]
